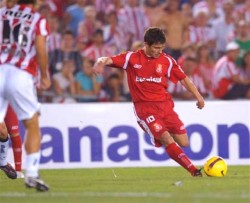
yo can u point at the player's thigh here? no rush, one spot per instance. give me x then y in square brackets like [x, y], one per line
[22, 95]
[3, 100]
[181, 139]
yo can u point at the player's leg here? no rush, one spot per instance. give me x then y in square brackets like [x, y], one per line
[4, 141]
[11, 122]
[181, 139]
[23, 100]
[32, 147]
[176, 153]
[4, 146]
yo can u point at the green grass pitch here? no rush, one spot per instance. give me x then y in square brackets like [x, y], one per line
[140, 185]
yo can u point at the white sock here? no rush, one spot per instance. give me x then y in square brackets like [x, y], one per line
[4, 146]
[32, 164]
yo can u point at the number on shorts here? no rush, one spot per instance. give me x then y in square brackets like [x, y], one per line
[150, 119]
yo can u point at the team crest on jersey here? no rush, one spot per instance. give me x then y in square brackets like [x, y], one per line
[159, 68]
[157, 127]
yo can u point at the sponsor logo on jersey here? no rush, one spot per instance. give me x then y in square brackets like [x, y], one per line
[150, 79]
[137, 66]
[18, 14]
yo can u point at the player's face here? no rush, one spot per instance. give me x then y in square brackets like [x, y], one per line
[154, 50]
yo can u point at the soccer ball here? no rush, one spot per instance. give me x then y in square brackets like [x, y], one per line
[215, 167]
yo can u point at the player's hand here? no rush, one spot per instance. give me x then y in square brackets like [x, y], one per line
[200, 103]
[45, 83]
[99, 65]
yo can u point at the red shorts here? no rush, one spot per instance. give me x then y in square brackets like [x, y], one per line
[157, 117]
[11, 121]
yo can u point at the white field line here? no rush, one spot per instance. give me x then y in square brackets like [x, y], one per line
[120, 194]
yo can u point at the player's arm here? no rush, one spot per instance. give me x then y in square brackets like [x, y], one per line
[189, 85]
[42, 59]
[101, 63]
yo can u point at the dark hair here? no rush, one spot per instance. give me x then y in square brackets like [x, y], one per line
[26, 1]
[154, 35]
[98, 32]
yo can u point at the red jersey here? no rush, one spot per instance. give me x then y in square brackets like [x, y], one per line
[19, 26]
[147, 76]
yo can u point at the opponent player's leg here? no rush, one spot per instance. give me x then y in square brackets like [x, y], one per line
[176, 153]
[4, 146]
[32, 148]
[12, 125]
[7, 168]
[24, 102]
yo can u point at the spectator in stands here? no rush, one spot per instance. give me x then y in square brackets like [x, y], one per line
[88, 84]
[57, 7]
[88, 26]
[246, 11]
[175, 26]
[74, 15]
[186, 11]
[228, 83]
[133, 18]
[200, 32]
[64, 84]
[113, 33]
[98, 48]
[223, 29]
[45, 10]
[153, 7]
[242, 38]
[191, 70]
[67, 51]
[55, 36]
[213, 7]
[245, 69]
[188, 50]
[205, 65]
[113, 88]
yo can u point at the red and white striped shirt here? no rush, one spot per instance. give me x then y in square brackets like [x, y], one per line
[134, 20]
[54, 41]
[224, 70]
[18, 27]
[93, 52]
[200, 34]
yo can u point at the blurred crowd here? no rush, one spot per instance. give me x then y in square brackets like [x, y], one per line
[210, 39]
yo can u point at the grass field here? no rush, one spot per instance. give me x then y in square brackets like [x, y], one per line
[118, 185]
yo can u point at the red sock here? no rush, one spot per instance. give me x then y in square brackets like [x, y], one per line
[177, 154]
[17, 151]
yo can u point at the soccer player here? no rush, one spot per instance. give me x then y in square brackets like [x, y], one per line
[148, 70]
[12, 125]
[22, 50]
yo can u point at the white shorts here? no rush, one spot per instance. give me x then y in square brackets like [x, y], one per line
[17, 88]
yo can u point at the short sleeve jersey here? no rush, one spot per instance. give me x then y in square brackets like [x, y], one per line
[19, 27]
[147, 76]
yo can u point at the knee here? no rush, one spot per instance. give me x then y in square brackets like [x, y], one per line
[3, 131]
[166, 139]
[184, 143]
